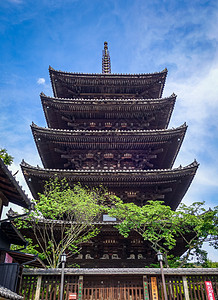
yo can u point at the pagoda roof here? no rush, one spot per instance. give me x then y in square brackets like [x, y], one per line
[58, 109]
[70, 85]
[173, 183]
[10, 190]
[10, 233]
[52, 143]
[28, 259]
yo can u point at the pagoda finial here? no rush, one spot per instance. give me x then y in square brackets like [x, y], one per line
[106, 62]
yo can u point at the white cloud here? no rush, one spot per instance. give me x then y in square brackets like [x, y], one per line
[41, 81]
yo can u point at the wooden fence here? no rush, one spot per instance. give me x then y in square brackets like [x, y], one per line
[189, 285]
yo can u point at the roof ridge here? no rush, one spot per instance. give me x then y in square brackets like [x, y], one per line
[108, 74]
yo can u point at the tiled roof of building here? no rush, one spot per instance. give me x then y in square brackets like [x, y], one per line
[10, 189]
[8, 294]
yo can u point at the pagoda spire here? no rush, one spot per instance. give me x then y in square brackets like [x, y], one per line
[106, 62]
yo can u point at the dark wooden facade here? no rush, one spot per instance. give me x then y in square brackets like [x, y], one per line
[112, 130]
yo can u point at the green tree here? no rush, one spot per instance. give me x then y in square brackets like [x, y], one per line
[201, 225]
[159, 225]
[7, 159]
[63, 219]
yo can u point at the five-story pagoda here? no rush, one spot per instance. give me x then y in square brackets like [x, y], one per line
[112, 130]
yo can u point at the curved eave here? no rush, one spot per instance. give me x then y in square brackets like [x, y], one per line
[180, 178]
[65, 133]
[55, 108]
[10, 189]
[73, 79]
[180, 171]
[50, 143]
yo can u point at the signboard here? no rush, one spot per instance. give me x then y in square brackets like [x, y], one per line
[145, 288]
[80, 288]
[72, 296]
[209, 289]
[154, 288]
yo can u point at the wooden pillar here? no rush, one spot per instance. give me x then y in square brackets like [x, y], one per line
[185, 285]
[38, 288]
[3, 202]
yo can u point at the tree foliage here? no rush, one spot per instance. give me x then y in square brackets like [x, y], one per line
[159, 225]
[63, 219]
[7, 159]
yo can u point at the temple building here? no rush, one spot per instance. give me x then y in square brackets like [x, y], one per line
[12, 262]
[112, 130]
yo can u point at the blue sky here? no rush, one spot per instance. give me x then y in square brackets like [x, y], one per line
[143, 36]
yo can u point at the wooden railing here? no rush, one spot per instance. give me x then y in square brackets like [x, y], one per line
[118, 284]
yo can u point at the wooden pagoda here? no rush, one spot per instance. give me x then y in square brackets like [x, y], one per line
[112, 130]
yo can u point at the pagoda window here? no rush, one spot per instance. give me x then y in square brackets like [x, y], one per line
[108, 155]
[115, 256]
[88, 256]
[89, 155]
[109, 241]
[92, 124]
[108, 124]
[131, 194]
[127, 156]
[107, 218]
[111, 193]
[105, 256]
[136, 241]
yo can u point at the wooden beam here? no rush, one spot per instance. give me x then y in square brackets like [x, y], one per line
[4, 199]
